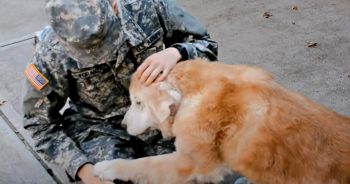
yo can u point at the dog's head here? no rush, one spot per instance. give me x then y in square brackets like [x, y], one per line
[151, 106]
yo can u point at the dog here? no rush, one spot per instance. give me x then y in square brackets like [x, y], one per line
[232, 118]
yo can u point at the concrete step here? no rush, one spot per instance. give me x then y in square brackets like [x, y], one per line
[17, 163]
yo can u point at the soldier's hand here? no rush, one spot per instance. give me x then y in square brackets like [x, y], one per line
[157, 66]
[85, 173]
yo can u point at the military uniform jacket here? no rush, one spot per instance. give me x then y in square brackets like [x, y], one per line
[101, 91]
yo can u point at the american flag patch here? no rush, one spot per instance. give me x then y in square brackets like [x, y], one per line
[37, 79]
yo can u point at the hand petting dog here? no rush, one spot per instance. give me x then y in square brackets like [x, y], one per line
[157, 66]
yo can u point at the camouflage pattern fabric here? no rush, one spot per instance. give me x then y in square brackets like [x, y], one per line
[71, 55]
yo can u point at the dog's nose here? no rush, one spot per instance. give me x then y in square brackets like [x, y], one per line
[123, 124]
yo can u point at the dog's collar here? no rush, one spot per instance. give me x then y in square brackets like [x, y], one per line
[171, 117]
[173, 111]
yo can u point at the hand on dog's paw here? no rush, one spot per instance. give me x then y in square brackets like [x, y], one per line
[107, 170]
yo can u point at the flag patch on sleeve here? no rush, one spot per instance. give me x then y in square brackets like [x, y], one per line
[37, 79]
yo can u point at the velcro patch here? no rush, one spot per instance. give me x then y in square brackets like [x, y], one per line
[37, 79]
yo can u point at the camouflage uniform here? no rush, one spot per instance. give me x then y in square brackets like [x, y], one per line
[95, 74]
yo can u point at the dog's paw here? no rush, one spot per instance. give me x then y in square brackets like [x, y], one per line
[108, 170]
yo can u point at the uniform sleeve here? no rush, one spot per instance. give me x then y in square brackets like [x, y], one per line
[42, 117]
[184, 32]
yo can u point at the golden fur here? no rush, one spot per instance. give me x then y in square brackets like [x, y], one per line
[235, 117]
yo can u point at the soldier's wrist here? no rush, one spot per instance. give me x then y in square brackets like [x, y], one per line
[175, 52]
[182, 50]
[85, 171]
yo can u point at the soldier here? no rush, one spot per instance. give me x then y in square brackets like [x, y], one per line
[87, 55]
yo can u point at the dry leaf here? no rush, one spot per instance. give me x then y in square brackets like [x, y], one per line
[311, 44]
[267, 15]
[296, 8]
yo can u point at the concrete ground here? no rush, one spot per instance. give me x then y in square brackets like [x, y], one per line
[18, 21]
[17, 164]
[277, 44]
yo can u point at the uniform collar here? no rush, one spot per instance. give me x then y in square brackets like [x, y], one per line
[131, 28]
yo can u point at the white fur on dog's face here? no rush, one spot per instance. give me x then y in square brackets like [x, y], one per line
[138, 118]
[150, 106]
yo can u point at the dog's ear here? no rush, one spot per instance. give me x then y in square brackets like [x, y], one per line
[165, 110]
[168, 106]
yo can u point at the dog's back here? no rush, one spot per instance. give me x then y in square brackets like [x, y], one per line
[264, 131]
[236, 117]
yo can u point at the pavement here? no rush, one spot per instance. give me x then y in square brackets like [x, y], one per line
[17, 164]
[279, 43]
[18, 21]
[304, 44]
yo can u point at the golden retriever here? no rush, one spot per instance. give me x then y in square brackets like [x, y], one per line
[233, 117]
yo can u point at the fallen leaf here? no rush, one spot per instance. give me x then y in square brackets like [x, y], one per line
[267, 15]
[311, 44]
[296, 8]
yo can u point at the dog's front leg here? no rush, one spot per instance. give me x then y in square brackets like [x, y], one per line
[173, 168]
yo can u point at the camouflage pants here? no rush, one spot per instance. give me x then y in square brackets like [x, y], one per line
[106, 139]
